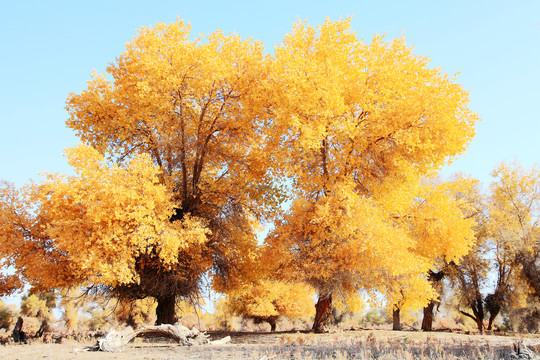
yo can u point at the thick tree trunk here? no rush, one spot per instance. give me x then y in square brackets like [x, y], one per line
[323, 312]
[478, 311]
[165, 311]
[480, 325]
[530, 271]
[272, 323]
[493, 303]
[396, 320]
[477, 307]
[18, 334]
[427, 321]
[44, 328]
[435, 280]
[492, 317]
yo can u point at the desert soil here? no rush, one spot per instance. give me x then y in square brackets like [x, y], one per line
[282, 345]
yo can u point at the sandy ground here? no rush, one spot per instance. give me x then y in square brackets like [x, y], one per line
[272, 346]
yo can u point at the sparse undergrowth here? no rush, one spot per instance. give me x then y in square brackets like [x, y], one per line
[365, 344]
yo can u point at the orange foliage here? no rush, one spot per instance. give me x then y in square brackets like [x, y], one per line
[364, 123]
[270, 298]
[170, 181]
[186, 143]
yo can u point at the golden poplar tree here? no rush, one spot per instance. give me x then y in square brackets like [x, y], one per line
[507, 246]
[70, 304]
[171, 180]
[358, 125]
[515, 223]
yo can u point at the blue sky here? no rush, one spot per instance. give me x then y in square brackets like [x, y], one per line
[50, 49]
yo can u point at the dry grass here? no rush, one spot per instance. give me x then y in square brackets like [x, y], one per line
[376, 344]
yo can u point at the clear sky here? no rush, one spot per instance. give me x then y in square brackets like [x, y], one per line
[50, 48]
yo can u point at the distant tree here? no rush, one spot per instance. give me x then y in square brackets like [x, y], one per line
[523, 319]
[469, 277]
[136, 313]
[7, 316]
[70, 303]
[466, 197]
[39, 305]
[515, 214]
[375, 317]
[97, 312]
[408, 294]
[506, 232]
[266, 301]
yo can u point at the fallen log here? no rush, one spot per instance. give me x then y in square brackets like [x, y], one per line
[115, 341]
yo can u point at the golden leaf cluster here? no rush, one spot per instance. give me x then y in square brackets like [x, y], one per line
[190, 145]
[271, 298]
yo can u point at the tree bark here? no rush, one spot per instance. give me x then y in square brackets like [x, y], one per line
[427, 321]
[165, 311]
[478, 311]
[272, 323]
[493, 303]
[477, 307]
[491, 320]
[323, 312]
[115, 340]
[44, 328]
[530, 271]
[18, 334]
[480, 325]
[395, 319]
[435, 280]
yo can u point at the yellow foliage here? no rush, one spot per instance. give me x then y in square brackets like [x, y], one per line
[34, 306]
[7, 315]
[103, 218]
[364, 123]
[70, 302]
[186, 144]
[194, 108]
[515, 208]
[270, 298]
[514, 226]
[9, 284]
[171, 179]
[137, 313]
[13, 222]
[369, 112]
[409, 293]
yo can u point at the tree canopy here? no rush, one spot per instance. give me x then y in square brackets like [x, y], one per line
[187, 146]
[364, 124]
[171, 180]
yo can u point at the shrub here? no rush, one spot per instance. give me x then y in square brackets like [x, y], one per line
[7, 316]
